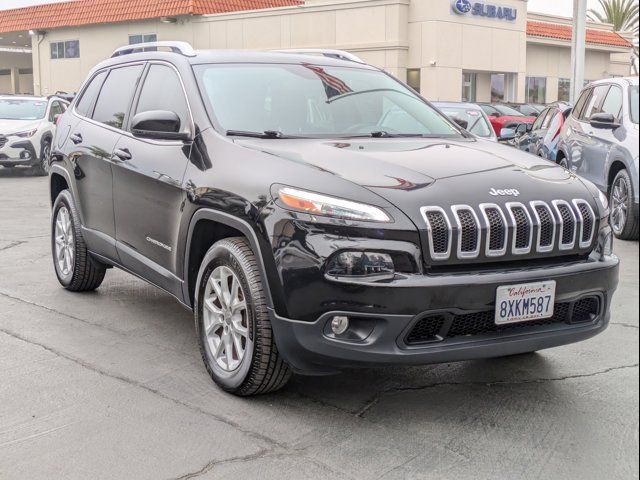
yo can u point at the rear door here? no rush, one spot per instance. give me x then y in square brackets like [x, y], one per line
[148, 189]
[95, 138]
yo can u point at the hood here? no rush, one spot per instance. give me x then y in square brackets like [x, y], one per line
[411, 173]
[7, 127]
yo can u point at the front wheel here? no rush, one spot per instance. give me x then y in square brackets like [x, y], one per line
[624, 219]
[232, 322]
[42, 167]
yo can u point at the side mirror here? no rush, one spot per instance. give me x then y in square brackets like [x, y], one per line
[159, 125]
[507, 134]
[521, 129]
[461, 122]
[603, 120]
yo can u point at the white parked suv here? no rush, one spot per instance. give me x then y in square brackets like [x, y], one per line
[27, 127]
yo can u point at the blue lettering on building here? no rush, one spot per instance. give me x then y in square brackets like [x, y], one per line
[483, 9]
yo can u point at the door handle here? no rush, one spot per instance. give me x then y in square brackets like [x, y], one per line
[76, 138]
[122, 153]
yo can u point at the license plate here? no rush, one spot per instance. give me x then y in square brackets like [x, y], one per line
[525, 302]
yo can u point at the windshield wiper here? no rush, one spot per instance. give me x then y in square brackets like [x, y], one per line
[265, 134]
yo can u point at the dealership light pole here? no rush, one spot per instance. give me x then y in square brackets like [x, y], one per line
[578, 43]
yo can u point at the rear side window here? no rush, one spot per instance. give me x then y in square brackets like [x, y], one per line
[162, 90]
[549, 118]
[613, 103]
[595, 102]
[88, 98]
[115, 95]
[541, 118]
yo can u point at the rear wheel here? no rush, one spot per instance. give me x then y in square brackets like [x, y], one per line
[563, 162]
[624, 219]
[75, 268]
[232, 322]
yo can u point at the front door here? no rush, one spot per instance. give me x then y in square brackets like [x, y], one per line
[148, 190]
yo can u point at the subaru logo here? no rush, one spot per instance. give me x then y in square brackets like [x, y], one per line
[462, 6]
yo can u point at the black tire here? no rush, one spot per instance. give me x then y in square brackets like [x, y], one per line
[627, 230]
[262, 369]
[42, 167]
[85, 273]
[563, 162]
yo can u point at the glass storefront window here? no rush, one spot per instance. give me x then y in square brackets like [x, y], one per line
[469, 87]
[537, 90]
[413, 78]
[564, 89]
[497, 87]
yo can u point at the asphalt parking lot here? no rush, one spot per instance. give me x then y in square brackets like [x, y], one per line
[110, 385]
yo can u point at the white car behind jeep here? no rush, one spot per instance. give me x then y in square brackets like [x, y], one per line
[27, 127]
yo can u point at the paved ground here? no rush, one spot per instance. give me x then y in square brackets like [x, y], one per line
[110, 385]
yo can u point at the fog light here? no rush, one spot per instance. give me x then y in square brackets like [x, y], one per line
[339, 324]
[25, 155]
[361, 264]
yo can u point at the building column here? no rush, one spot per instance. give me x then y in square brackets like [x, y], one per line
[15, 80]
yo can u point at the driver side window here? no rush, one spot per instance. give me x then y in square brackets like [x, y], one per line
[162, 90]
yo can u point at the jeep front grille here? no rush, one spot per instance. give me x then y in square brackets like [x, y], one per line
[513, 229]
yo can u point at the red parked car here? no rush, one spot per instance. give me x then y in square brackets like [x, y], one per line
[503, 116]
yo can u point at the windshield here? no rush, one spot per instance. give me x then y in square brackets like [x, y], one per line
[504, 110]
[476, 122]
[633, 98]
[316, 101]
[21, 109]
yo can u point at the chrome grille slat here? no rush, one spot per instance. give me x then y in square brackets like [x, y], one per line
[514, 228]
[568, 223]
[497, 230]
[546, 224]
[469, 233]
[587, 222]
[522, 228]
[435, 217]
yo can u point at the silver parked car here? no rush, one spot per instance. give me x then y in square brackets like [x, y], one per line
[599, 141]
[470, 117]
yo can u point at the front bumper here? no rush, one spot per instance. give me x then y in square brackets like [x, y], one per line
[17, 152]
[311, 348]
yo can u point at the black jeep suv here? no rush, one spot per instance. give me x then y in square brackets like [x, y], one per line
[316, 214]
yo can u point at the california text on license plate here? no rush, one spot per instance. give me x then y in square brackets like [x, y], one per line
[528, 301]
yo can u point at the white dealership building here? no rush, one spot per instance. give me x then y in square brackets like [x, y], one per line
[449, 50]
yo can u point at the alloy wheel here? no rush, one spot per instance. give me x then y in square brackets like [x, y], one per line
[64, 242]
[619, 198]
[44, 161]
[226, 323]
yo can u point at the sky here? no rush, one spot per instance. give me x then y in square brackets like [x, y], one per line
[555, 7]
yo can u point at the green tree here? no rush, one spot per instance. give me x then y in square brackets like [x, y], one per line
[623, 14]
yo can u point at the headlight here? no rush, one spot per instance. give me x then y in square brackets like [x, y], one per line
[25, 134]
[317, 204]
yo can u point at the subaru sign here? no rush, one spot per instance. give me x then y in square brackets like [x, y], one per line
[484, 9]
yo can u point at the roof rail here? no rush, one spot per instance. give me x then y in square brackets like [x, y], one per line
[339, 54]
[183, 48]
